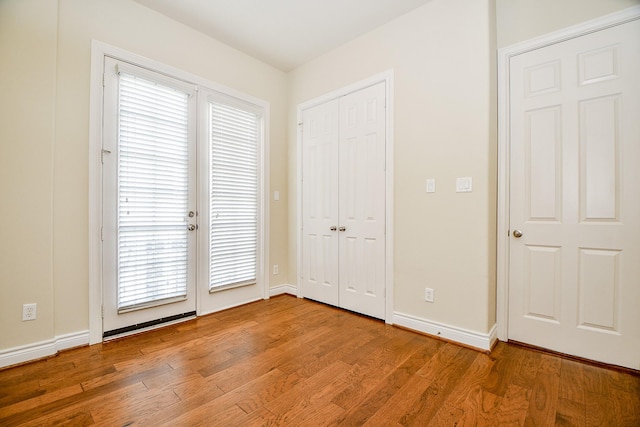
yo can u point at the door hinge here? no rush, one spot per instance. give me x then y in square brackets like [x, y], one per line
[101, 234]
[102, 311]
[102, 79]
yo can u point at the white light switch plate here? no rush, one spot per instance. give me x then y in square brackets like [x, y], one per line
[431, 185]
[464, 184]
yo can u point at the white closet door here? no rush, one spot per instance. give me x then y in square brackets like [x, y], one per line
[362, 201]
[575, 204]
[320, 203]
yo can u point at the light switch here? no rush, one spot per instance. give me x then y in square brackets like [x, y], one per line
[276, 195]
[464, 185]
[431, 185]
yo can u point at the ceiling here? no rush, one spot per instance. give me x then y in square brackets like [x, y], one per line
[283, 33]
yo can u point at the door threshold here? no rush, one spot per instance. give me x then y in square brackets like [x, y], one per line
[147, 326]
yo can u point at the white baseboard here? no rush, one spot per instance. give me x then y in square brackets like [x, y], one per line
[283, 289]
[29, 352]
[462, 336]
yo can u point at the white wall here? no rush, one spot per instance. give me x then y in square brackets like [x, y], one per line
[520, 20]
[442, 58]
[45, 46]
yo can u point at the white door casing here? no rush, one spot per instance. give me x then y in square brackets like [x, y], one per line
[574, 185]
[344, 201]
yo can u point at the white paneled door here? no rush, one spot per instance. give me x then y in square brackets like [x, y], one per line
[344, 202]
[320, 203]
[574, 283]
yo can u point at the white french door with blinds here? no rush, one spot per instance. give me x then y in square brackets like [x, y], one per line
[181, 199]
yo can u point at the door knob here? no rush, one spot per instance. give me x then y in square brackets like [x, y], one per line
[342, 229]
[517, 234]
[191, 227]
[333, 228]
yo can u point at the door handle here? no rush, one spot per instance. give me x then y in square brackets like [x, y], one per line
[333, 228]
[342, 228]
[517, 234]
[191, 227]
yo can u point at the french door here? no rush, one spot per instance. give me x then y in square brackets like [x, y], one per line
[574, 198]
[149, 190]
[181, 200]
[344, 202]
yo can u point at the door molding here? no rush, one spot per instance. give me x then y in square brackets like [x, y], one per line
[98, 52]
[387, 78]
[504, 56]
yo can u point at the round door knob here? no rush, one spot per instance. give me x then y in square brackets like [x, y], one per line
[191, 227]
[333, 228]
[342, 228]
[517, 234]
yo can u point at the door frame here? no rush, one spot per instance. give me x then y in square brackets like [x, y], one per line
[98, 51]
[504, 56]
[387, 78]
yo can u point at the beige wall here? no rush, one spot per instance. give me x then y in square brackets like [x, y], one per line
[443, 57]
[45, 47]
[27, 124]
[520, 20]
[444, 127]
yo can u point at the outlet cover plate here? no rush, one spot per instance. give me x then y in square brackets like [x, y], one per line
[428, 294]
[29, 312]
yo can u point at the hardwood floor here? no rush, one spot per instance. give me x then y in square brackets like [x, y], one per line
[288, 361]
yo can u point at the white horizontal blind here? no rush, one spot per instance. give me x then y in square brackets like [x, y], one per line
[233, 196]
[152, 193]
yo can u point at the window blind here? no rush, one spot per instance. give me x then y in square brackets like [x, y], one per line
[152, 193]
[233, 196]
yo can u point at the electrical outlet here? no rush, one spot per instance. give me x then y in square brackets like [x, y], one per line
[428, 294]
[29, 312]
[275, 269]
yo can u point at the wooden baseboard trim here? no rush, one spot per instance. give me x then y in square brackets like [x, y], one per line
[28, 353]
[283, 289]
[475, 340]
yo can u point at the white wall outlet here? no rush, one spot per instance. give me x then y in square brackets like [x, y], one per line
[275, 269]
[276, 195]
[431, 185]
[29, 311]
[428, 294]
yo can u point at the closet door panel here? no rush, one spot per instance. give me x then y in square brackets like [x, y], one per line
[320, 203]
[361, 205]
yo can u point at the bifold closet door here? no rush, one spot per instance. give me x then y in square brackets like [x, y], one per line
[344, 203]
